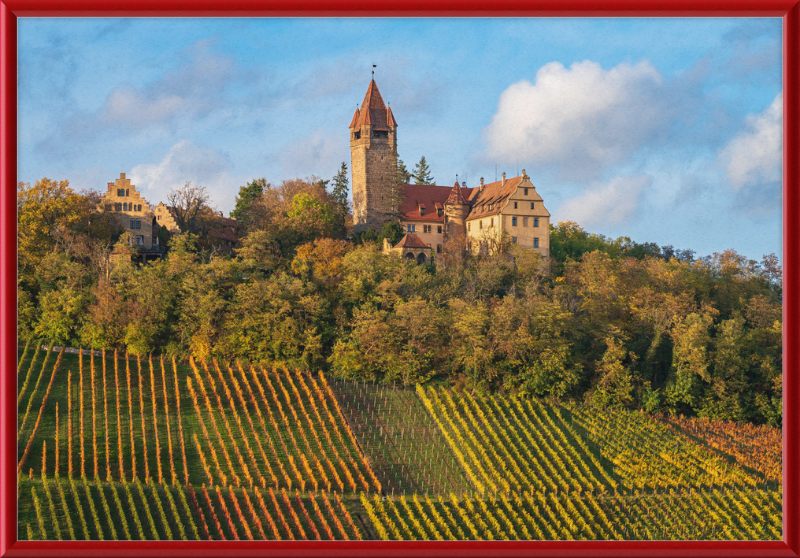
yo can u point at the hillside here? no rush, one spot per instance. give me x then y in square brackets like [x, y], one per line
[116, 448]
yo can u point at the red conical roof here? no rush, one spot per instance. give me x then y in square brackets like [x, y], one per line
[354, 120]
[373, 111]
[456, 196]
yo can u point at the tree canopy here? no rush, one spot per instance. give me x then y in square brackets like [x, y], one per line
[612, 322]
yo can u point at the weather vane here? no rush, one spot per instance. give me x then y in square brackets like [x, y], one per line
[373, 71]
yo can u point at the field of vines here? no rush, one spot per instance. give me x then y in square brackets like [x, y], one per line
[115, 447]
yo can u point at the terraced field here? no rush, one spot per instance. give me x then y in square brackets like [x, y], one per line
[112, 447]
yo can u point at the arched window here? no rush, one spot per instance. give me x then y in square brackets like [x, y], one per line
[410, 256]
[421, 258]
[125, 206]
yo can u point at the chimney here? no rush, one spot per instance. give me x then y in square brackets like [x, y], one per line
[122, 175]
[110, 185]
[504, 179]
[481, 188]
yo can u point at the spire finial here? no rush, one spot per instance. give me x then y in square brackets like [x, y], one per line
[373, 71]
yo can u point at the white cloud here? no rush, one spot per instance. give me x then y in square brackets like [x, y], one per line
[320, 153]
[613, 203]
[184, 162]
[754, 157]
[580, 119]
[191, 90]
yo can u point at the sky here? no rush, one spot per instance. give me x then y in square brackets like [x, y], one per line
[665, 130]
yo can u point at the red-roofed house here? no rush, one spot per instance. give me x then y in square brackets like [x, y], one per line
[476, 218]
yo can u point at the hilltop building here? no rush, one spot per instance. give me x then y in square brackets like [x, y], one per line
[144, 221]
[135, 216]
[436, 216]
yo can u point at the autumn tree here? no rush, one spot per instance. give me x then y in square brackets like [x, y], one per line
[190, 207]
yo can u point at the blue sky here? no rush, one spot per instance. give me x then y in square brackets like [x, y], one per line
[666, 130]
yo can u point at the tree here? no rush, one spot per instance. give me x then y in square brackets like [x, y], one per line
[248, 195]
[341, 197]
[52, 216]
[189, 204]
[403, 176]
[422, 173]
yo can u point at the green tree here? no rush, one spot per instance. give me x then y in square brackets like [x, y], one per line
[403, 176]
[248, 196]
[422, 173]
[341, 197]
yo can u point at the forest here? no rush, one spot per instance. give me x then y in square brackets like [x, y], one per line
[610, 322]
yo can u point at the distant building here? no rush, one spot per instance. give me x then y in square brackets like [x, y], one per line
[474, 219]
[221, 234]
[135, 216]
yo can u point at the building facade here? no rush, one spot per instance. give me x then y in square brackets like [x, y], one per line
[132, 212]
[477, 219]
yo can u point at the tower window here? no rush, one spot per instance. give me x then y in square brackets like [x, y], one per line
[535, 242]
[513, 221]
[356, 135]
[535, 221]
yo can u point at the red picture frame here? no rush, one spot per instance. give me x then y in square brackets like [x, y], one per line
[789, 10]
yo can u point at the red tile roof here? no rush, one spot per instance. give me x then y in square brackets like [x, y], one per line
[493, 194]
[373, 111]
[456, 195]
[429, 196]
[411, 240]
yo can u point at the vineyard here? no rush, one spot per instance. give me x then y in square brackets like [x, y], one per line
[114, 447]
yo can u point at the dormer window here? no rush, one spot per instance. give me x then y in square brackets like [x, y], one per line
[438, 211]
[422, 211]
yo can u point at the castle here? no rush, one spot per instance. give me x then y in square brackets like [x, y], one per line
[435, 217]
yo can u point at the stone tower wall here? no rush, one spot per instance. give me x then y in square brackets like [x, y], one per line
[374, 168]
[455, 218]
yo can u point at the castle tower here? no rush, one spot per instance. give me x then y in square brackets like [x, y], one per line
[373, 150]
[456, 210]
